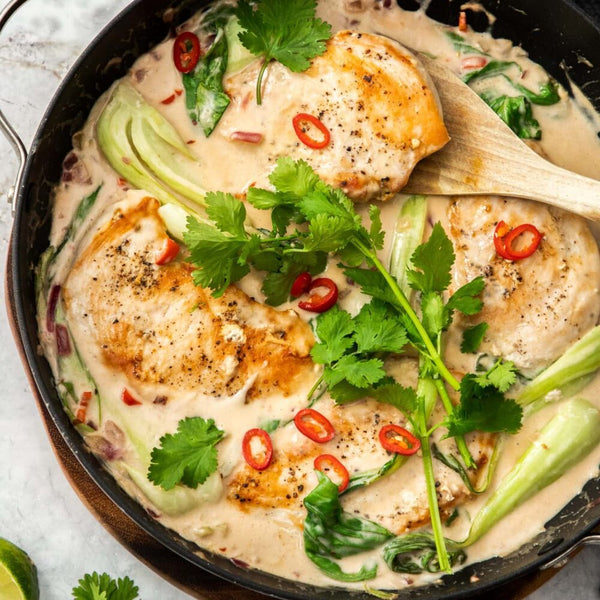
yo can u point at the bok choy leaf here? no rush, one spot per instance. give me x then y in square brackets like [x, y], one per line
[330, 533]
[567, 438]
[146, 150]
[581, 359]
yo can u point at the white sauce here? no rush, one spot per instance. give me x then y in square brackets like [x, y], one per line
[220, 525]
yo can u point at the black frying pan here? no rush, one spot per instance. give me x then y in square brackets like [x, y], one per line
[556, 36]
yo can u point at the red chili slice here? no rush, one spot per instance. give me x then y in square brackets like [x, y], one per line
[258, 459]
[328, 462]
[320, 302]
[128, 398]
[168, 99]
[462, 21]
[528, 249]
[302, 131]
[398, 440]
[504, 239]
[314, 425]
[168, 252]
[186, 51]
[82, 407]
[301, 284]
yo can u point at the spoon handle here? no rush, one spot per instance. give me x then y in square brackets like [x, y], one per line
[484, 156]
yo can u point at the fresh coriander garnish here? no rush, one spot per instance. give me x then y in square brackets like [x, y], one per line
[188, 456]
[103, 587]
[284, 30]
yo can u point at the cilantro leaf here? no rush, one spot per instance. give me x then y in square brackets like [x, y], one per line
[403, 398]
[227, 212]
[284, 30]
[502, 375]
[333, 329]
[432, 261]
[376, 232]
[361, 373]
[103, 587]
[372, 283]
[189, 456]
[472, 337]
[377, 329]
[294, 177]
[483, 408]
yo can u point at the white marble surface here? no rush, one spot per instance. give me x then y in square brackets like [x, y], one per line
[38, 509]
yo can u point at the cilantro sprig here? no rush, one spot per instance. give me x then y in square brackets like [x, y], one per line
[284, 30]
[312, 220]
[188, 456]
[103, 587]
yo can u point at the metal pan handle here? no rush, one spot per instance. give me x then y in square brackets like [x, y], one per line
[6, 128]
[563, 559]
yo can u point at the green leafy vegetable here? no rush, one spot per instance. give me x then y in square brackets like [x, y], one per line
[83, 210]
[284, 30]
[460, 45]
[491, 69]
[189, 456]
[103, 587]
[330, 533]
[416, 553]
[483, 408]
[569, 436]
[472, 337]
[516, 112]
[205, 99]
[581, 359]
[146, 150]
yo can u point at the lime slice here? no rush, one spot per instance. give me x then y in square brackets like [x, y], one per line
[18, 575]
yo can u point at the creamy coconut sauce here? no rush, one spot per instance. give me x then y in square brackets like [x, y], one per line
[569, 139]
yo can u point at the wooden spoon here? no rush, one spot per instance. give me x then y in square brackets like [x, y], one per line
[484, 156]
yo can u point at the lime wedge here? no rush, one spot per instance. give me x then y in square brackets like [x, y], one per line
[18, 575]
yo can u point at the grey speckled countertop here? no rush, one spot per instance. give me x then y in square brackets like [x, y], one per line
[38, 509]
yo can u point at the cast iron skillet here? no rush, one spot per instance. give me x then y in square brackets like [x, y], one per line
[140, 26]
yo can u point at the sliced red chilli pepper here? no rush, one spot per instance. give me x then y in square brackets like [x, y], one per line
[314, 425]
[327, 463]
[51, 308]
[504, 239]
[257, 448]
[63, 342]
[186, 51]
[528, 249]
[398, 440]
[168, 252]
[128, 398]
[301, 284]
[320, 302]
[82, 407]
[300, 122]
[168, 99]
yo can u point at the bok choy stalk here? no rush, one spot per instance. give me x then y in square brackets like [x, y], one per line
[581, 359]
[146, 150]
[567, 438]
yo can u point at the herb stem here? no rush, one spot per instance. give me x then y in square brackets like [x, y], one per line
[259, 80]
[460, 440]
[408, 309]
[434, 510]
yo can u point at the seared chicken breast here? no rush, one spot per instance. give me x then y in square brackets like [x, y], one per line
[153, 324]
[538, 306]
[369, 92]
